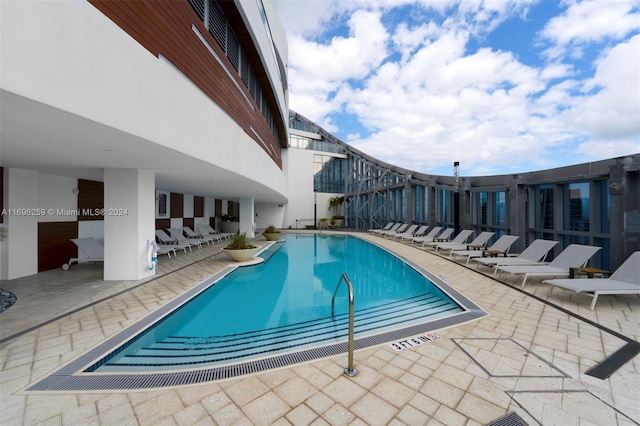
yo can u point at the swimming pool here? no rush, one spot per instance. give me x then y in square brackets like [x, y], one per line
[277, 313]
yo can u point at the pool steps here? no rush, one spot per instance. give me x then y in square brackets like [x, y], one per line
[180, 351]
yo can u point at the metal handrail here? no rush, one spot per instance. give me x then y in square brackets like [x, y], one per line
[349, 371]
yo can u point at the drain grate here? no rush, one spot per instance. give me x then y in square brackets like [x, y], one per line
[511, 419]
[611, 364]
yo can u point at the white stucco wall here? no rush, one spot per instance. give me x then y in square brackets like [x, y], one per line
[68, 55]
[55, 193]
[19, 255]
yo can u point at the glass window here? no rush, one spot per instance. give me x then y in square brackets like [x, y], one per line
[576, 211]
[328, 174]
[544, 201]
[500, 208]
[482, 211]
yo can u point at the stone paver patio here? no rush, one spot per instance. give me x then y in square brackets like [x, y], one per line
[527, 357]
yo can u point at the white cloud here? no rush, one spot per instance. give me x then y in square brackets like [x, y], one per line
[317, 71]
[426, 100]
[611, 116]
[590, 21]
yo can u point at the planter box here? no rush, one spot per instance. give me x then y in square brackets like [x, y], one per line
[229, 227]
[241, 255]
[272, 236]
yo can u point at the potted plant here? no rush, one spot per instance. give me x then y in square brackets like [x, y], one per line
[323, 223]
[271, 233]
[337, 219]
[240, 248]
[229, 224]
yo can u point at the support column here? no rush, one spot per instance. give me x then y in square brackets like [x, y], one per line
[129, 222]
[19, 249]
[247, 216]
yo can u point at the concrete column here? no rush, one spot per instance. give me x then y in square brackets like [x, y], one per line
[247, 216]
[129, 222]
[624, 182]
[409, 200]
[19, 250]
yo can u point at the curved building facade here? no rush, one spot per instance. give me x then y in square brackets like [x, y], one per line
[119, 118]
[593, 203]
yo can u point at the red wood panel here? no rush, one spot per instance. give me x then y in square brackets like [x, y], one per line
[165, 27]
[54, 247]
[90, 199]
[198, 206]
[163, 223]
[177, 205]
[188, 222]
[218, 208]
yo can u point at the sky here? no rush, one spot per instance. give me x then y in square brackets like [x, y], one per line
[501, 86]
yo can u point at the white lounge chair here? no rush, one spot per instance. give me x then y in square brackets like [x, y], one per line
[432, 235]
[393, 228]
[166, 240]
[400, 229]
[407, 233]
[625, 280]
[197, 233]
[460, 238]
[419, 232]
[193, 236]
[574, 256]
[477, 243]
[208, 230]
[178, 237]
[386, 228]
[428, 236]
[89, 250]
[536, 252]
[500, 247]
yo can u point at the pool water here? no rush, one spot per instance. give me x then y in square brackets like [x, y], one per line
[284, 304]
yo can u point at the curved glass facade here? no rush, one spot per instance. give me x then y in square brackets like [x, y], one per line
[572, 205]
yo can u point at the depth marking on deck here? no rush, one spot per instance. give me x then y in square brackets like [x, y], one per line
[414, 341]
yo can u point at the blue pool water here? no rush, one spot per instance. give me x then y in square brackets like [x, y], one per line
[284, 304]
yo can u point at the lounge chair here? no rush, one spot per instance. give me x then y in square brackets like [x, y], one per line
[393, 228]
[400, 229]
[89, 250]
[407, 233]
[625, 280]
[419, 232]
[193, 236]
[431, 235]
[386, 228]
[178, 236]
[500, 247]
[428, 236]
[208, 230]
[574, 256]
[460, 238]
[478, 243]
[536, 252]
[167, 240]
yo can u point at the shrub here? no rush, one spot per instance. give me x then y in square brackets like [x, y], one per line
[240, 242]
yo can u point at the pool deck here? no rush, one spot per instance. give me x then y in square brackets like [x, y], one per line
[528, 358]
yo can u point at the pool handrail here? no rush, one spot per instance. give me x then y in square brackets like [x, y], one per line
[349, 371]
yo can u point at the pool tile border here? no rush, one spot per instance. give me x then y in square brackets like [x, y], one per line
[72, 377]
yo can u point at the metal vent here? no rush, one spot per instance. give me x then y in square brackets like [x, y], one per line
[619, 358]
[233, 48]
[218, 25]
[511, 419]
[198, 7]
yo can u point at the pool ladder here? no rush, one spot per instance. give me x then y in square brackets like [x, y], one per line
[349, 371]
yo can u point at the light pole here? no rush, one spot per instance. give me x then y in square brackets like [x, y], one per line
[315, 210]
[456, 197]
